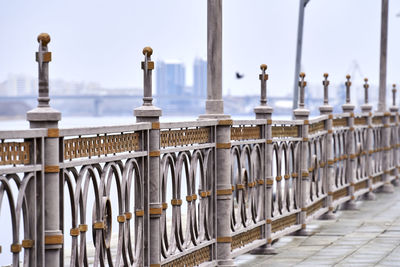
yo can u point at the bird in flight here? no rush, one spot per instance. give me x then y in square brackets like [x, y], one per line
[239, 76]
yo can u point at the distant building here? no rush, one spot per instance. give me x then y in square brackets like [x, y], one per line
[19, 85]
[200, 78]
[170, 78]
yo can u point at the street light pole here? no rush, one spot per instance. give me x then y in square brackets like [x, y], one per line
[299, 44]
[383, 56]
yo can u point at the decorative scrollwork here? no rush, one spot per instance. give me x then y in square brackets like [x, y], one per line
[285, 131]
[14, 153]
[245, 133]
[339, 122]
[246, 238]
[184, 137]
[100, 145]
[192, 259]
[360, 121]
[340, 193]
[284, 222]
[316, 127]
[377, 120]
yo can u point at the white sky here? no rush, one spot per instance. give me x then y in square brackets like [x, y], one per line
[101, 41]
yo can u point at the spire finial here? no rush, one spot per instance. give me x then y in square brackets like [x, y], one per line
[348, 85]
[366, 86]
[302, 85]
[263, 78]
[325, 83]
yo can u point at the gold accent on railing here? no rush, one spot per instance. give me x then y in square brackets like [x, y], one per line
[392, 119]
[269, 141]
[51, 169]
[306, 122]
[270, 182]
[155, 211]
[83, 228]
[223, 145]
[98, 225]
[225, 122]
[138, 213]
[156, 153]
[316, 127]
[340, 193]
[339, 122]
[14, 153]
[278, 178]
[184, 137]
[315, 207]
[283, 223]
[245, 238]
[121, 218]
[164, 205]
[239, 186]
[27, 243]
[176, 202]
[53, 239]
[245, 133]
[376, 120]
[224, 192]
[260, 181]
[330, 116]
[361, 185]
[53, 132]
[74, 232]
[360, 121]
[224, 239]
[305, 139]
[269, 122]
[195, 258]
[285, 131]
[16, 248]
[294, 175]
[155, 126]
[387, 114]
[100, 145]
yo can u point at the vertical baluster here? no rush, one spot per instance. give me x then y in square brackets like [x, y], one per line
[366, 108]
[152, 202]
[302, 113]
[263, 111]
[328, 169]
[48, 191]
[395, 142]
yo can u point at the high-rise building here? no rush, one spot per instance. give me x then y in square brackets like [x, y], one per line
[170, 78]
[200, 77]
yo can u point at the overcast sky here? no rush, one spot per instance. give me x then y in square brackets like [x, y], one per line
[101, 41]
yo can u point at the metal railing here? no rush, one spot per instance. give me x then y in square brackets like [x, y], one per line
[184, 193]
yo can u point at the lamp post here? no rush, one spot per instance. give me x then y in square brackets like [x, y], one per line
[299, 44]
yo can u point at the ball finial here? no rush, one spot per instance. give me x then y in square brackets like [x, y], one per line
[263, 66]
[147, 50]
[44, 37]
[394, 86]
[348, 76]
[365, 79]
[326, 75]
[302, 74]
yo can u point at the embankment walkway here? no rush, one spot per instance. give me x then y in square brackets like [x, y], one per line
[369, 236]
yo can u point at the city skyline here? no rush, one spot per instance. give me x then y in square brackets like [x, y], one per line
[335, 35]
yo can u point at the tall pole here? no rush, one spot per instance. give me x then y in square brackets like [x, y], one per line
[214, 103]
[299, 45]
[383, 56]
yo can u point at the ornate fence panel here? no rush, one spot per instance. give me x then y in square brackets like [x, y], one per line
[21, 197]
[248, 189]
[103, 170]
[286, 175]
[316, 203]
[187, 173]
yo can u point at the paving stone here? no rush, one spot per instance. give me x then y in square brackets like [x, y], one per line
[367, 237]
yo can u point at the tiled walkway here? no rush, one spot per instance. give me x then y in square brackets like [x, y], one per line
[369, 236]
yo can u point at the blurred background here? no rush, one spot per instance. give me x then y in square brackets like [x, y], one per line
[97, 49]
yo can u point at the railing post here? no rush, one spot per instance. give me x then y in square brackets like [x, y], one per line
[387, 186]
[263, 111]
[49, 241]
[350, 146]
[327, 109]
[395, 142]
[152, 196]
[366, 108]
[302, 113]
